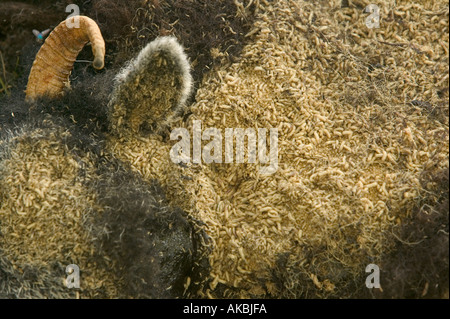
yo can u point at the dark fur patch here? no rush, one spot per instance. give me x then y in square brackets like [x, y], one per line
[199, 25]
[418, 268]
[152, 243]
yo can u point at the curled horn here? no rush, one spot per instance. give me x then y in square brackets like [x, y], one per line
[54, 62]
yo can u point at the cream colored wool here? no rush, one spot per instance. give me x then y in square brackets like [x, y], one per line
[46, 211]
[352, 146]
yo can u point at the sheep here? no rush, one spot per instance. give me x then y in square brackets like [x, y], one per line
[363, 174]
[65, 199]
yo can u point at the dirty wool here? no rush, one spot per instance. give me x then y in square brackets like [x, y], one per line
[362, 175]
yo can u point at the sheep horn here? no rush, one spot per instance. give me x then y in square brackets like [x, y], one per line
[54, 62]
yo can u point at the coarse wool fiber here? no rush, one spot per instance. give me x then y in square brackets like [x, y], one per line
[46, 215]
[355, 136]
[351, 145]
[65, 200]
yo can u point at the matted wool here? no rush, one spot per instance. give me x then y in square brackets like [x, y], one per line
[361, 113]
[45, 216]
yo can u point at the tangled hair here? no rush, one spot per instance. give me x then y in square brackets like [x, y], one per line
[75, 203]
[212, 32]
[418, 268]
[362, 115]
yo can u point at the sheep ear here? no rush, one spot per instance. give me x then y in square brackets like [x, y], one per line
[152, 89]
